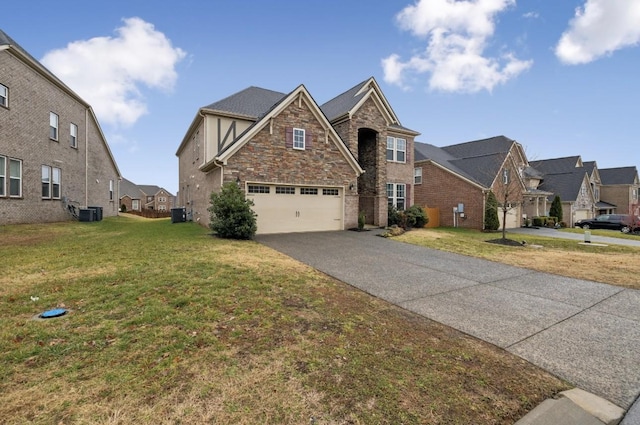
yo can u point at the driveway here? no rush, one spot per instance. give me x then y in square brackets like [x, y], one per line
[587, 333]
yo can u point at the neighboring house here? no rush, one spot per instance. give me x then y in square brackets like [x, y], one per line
[144, 197]
[302, 165]
[456, 179]
[620, 187]
[53, 153]
[575, 184]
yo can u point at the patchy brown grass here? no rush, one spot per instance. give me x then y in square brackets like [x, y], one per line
[169, 325]
[613, 264]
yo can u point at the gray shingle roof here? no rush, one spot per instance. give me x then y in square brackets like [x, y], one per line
[343, 103]
[135, 191]
[557, 165]
[620, 175]
[565, 185]
[252, 102]
[483, 147]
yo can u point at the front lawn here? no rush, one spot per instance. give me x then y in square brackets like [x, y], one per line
[613, 264]
[169, 325]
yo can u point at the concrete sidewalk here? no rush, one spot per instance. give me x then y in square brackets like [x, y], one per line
[585, 332]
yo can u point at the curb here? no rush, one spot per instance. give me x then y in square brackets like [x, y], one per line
[574, 407]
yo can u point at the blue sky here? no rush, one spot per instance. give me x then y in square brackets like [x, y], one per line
[560, 77]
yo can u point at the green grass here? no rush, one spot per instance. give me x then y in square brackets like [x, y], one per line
[168, 324]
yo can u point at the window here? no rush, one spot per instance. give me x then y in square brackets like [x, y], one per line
[258, 189]
[308, 191]
[285, 190]
[396, 195]
[111, 190]
[73, 135]
[298, 138]
[135, 205]
[15, 178]
[417, 175]
[55, 183]
[3, 174]
[4, 96]
[53, 126]
[330, 192]
[50, 182]
[505, 176]
[396, 149]
[162, 207]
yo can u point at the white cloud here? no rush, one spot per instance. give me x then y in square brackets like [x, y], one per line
[457, 32]
[531, 15]
[108, 72]
[598, 29]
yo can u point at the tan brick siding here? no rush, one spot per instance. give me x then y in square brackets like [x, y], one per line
[24, 135]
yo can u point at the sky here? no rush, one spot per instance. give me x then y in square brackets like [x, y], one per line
[560, 77]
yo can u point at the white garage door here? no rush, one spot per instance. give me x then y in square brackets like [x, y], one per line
[512, 218]
[288, 209]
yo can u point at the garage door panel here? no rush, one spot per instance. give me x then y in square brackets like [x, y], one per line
[296, 212]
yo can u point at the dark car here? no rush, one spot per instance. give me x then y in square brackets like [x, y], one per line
[624, 222]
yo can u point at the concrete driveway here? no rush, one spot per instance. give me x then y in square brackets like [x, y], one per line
[587, 333]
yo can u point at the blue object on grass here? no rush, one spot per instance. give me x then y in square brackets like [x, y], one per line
[56, 312]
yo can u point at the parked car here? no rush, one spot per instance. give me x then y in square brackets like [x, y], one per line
[624, 222]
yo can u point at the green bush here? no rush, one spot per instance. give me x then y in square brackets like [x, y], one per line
[231, 214]
[556, 208]
[418, 214]
[393, 216]
[361, 220]
[538, 221]
[491, 220]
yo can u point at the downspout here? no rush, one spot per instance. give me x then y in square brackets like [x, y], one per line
[86, 157]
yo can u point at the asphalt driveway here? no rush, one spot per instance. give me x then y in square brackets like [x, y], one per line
[585, 332]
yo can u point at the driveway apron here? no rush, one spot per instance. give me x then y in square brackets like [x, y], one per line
[585, 332]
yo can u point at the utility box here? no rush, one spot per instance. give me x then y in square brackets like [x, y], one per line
[86, 215]
[97, 213]
[178, 215]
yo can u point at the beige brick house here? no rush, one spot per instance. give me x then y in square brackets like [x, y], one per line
[52, 150]
[306, 167]
[621, 187]
[134, 197]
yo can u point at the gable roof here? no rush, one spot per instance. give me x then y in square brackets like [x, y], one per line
[346, 104]
[557, 165]
[620, 175]
[299, 94]
[135, 191]
[565, 185]
[252, 102]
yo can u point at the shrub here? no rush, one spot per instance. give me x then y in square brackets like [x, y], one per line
[123, 208]
[361, 220]
[231, 213]
[419, 215]
[393, 216]
[556, 208]
[491, 220]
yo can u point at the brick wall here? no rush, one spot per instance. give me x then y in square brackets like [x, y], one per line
[24, 135]
[444, 190]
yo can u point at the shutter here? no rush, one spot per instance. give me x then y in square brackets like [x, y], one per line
[288, 137]
[308, 140]
[407, 201]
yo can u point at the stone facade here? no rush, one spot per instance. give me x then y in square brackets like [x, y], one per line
[88, 173]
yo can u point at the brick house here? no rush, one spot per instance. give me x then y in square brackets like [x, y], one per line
[620, 188]
[306, 167]
[457, 179]
[577, 186]
[135, 197]
[52, 150]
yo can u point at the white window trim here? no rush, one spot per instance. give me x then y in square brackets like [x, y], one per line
[417, 175]
[46, 180]
[4, 95]
[394, 198]
[393, 141]
[54, 121]
[3, 175]
[56, 182]
[73, 135]
[19, 178]
[297, 142]
[110, 190]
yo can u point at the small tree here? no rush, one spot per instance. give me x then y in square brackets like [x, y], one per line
[231, 213]
[556, 209]
[491, 220]
[418, 214]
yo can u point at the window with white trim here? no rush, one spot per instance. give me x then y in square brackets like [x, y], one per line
[162, 207]
[53, 126]
[505, 176]
[15, 178]
[396, 195]
[162, 199]
[50, 182]
[135, 204]
[73, 135]
[3, 174]
[298, 138]
[330, 192]
[396, 149]
[111, 190]
[4, 96]
[308, 191]
[417, 175]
